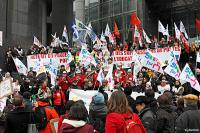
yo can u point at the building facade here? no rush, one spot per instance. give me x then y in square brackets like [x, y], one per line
[22, 19]
[101, 12]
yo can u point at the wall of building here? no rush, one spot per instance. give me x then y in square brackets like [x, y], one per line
[79, 10]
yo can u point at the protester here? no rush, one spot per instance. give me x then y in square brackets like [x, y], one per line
[44, 113]
[165, 116]
[97, 112]
[189, 120]
[146, 115]
[118, 110]
[131, 102]
[18, 119]
[76, 121]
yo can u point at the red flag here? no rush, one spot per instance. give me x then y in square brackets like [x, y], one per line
[135, 20]
[198, 24]
[186, 44]
[116, 31]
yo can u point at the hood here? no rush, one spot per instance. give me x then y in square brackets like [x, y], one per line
[73, 123]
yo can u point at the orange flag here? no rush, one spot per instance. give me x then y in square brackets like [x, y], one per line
[116, 31]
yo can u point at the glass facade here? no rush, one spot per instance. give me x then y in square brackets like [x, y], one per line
[102, 12]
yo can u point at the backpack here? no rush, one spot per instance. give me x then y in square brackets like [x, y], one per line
[41, 117]
[99, 125]
[133, 126]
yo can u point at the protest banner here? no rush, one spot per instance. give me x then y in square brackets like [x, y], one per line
[125, 58]
[6, 88]
[56, 60]
[86, 96]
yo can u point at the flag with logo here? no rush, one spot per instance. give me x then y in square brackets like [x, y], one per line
[21, 68]
[187, 75]
[173, 69]
[152, 62]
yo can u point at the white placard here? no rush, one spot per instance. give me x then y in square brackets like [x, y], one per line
[6, 88]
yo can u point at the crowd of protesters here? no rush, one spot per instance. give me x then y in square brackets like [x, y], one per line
[35, 101]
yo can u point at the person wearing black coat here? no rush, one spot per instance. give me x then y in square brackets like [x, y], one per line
[97, 112]
[147, 117]
[18, 119]
[165, 116]
[189, 121]
[131, 102]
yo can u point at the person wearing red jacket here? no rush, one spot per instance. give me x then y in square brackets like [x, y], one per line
[79, 77]
[118, 112]
[119, 75]
[59, 100]
[64, 82]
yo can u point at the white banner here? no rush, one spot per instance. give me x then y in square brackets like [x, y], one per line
[55, 60]
[86, 96]
[125, 58]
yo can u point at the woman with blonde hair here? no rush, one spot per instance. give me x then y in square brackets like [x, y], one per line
[120, 118]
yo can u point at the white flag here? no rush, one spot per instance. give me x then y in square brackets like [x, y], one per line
[182, 29]
[177, 32]
[100, 77]
[65, 34]
[146, 37]
[36, 42]
[161, 28]
[198, 57]
[173, 69]
[69, 57]
[166, 31]
[136, 33]
[152, 62]
[137, 65]
[187, 75]
[21, 68]
[107, 31]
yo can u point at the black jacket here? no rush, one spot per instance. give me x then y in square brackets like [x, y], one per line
[97, 111]
[17, 121]
[148, 120]
[166, 119]
[188, 120]
[97, 116]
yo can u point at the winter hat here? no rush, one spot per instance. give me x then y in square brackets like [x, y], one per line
[141, 99]
[98, 98]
